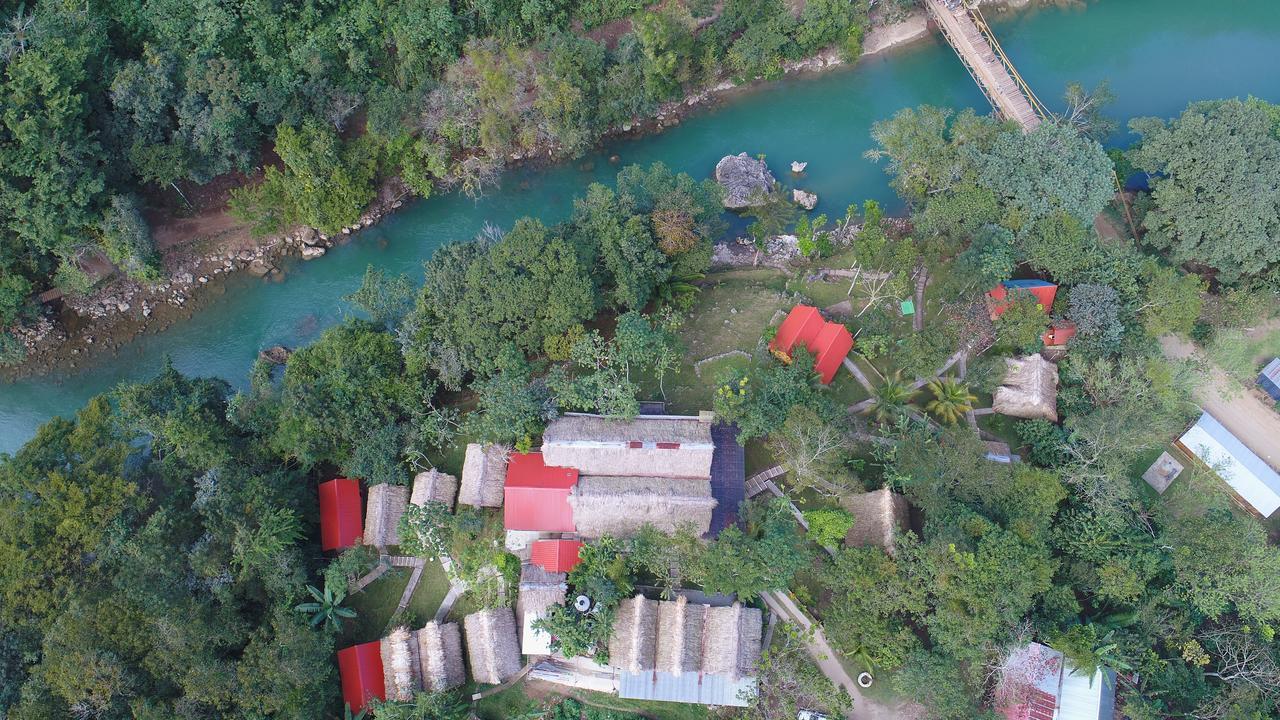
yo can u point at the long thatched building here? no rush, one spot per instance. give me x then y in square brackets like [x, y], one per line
[654, 446]
[620, 506]
[386, 505]
[434, 486]
[440, 653]
[484, 473]
[1030, 389]
[678, 651]
[401, 665]
[493, 647]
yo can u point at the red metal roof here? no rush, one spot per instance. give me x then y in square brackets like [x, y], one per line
[1044, 292]
[829, 342]
[341, 524]
[1039, 706]
[536, 495]
[556, 555]
[1059, 334]
[360, 667]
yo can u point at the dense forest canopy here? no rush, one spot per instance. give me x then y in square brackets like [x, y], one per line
[112, 108]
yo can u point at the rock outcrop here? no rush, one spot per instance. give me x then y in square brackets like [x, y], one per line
[806, 200]
[746, 181]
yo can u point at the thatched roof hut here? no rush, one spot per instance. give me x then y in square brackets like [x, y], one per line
[620, 506]
[484, 473]
[1030, 389]
[400, 665]
[440, 650]
[732, 646]
[492, 645]
[877, 518]
[680, 633]
[661, 446]
[635, 627]
[382, 514]
[434, 486]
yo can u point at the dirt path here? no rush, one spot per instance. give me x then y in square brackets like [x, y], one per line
[822, 653]
[1255, 424]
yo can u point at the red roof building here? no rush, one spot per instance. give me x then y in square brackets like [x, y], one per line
[829, 342]
[360, 667]
[536, 495]
[1059, 333]
[557, 556]
[1044, 292]
[341, 524]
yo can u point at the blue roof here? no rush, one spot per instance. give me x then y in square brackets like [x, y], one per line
[1027, 284]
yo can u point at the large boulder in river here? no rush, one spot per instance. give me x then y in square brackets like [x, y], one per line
[806, 200]
[746, 181]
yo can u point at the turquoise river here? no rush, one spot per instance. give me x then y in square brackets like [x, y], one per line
[1157, 54]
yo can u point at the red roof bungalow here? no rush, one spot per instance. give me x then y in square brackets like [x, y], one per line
[1058, 334]
[536, 495]
[1043, 290]
[557, 556]
[829, 342]
[360, 667]
[341, 517]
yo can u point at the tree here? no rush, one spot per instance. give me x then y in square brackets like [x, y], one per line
[951, 400]
[766, 556]
[892, 400]
[666, 38]
[758, 400]
[1215, 185]
[940, 684]
[874, 599]
[385, 300]
[1095, 310]
[1172, 302]
[1048, 170]
[127, 239]
[326, 607]
[771, 213]
[924, 148]
[812, 449]
[1022, 324]
[511, 404]
[828, 526]
[1222, 564]
[789, 681]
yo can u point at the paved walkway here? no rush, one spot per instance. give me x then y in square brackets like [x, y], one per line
[828, 662]
[1255, 424]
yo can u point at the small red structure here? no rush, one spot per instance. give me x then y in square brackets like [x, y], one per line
[536, 495]
[559, 556]
[828, 342]
[1058, 334]
[341, 523]
[360, 667]
[1043, 290]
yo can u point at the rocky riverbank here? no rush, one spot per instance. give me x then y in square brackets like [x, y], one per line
[103, 321]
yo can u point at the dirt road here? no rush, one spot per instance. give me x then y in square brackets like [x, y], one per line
[1257, 425]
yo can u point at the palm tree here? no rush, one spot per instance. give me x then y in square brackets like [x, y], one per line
[679, 289]
[892, 399]
[951, 399]
[348, 715]
[327, 607]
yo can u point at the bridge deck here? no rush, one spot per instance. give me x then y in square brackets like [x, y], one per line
[987, 69]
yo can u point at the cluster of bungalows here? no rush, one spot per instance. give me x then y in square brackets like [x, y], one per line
[1037, 683]
[1060, 331]
[595, 476]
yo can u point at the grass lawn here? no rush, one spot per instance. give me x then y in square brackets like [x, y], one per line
[375, 604]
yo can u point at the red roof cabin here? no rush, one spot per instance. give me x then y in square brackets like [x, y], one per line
[360, 667]
[1043, 290]
[536, 495]
[829, 342]
[341, 517]
[1058, 334]
[557, 556]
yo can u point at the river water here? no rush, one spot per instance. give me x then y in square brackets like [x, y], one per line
[1157, 54]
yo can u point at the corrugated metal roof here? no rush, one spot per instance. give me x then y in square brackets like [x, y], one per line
[1084, 698]
[1246, 473]
[688, 687]
[341, 523]
[360, 670]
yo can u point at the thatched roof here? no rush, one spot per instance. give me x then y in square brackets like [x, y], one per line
[492, 645]
[634, 639]
[434, 486]
[382, 514]
[679, 637]
[484, 473]
[663, 446]
[620, 506]
[877, 518]
[539, 590]
[1030, 389]
[400, 665]
[440, 650]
